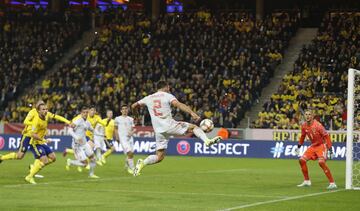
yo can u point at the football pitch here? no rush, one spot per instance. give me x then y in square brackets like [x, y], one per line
[178, 183]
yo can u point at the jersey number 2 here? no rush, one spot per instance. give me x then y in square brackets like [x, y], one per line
[157, 105]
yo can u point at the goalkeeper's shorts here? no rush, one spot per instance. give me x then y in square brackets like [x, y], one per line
[315, 152]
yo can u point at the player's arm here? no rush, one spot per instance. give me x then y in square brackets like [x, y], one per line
[325, 136]
[116, 134]
[185, 108]
[301, 141]
[59, 118]
[103, 122]
[134, 108]
[132, 130]
[302, 137]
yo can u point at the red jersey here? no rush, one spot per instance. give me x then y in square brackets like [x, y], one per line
[316, 133]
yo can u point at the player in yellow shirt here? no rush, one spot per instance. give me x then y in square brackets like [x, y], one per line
[25, 138]
[42, 152]
[109, 135]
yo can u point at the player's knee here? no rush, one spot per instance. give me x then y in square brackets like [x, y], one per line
[321, 162]
[302, 161]
[161, 157]
[191, 128]
[20, 155]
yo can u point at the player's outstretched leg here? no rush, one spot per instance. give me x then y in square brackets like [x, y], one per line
[201, 134]
[304, 170]
[151, 159]
[327, 172]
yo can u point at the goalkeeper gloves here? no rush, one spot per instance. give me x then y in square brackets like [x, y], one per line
[297, 150]
[330, 154]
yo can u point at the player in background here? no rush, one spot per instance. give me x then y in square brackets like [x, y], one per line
[109, 134]
[124, 127]
[83, 150]
[159, 106]
[320, 148]
[93, 118]
[38, 144]
[99, 144]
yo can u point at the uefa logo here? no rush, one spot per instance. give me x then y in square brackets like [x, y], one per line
[2, 142]
[183, 147]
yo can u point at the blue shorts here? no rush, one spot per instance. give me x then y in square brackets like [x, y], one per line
[108, 143]
[24, 144]
[40, 150]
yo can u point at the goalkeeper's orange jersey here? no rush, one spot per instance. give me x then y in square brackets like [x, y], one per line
[316, 133]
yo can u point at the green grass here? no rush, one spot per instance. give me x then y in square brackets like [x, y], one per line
[178, 183]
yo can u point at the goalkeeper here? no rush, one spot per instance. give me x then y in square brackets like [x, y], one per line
[320, 148]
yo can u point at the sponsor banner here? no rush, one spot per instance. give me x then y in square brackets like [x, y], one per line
[61, 130]
[195, 147]
[290, 135]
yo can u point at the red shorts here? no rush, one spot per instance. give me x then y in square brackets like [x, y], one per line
[315, 152]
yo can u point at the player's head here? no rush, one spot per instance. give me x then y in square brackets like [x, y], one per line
[109, 114]
[92, 110]
[309, 115]
[163, 86]
[124, 110]
[42, 110]
[84, 112]
[38, 103]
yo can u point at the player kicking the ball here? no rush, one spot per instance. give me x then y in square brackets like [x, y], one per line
[159, 106]
[318, 149]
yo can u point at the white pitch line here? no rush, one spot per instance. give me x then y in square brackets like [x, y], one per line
[278, 200]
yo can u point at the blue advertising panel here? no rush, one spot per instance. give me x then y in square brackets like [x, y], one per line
[195, 147]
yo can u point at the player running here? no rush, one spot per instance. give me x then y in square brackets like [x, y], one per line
[81, 147]
[159, 106]
[109, 135]
[38, 144]
[124, 127]
[319, 149]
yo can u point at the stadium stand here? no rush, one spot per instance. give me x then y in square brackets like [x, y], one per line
[217, 63]
[319, 77]
[30, 43]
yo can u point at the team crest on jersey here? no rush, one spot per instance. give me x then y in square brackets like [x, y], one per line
[183, 147]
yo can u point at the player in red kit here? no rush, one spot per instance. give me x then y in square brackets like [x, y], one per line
[319, 149]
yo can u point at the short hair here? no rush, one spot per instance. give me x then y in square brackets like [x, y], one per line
[83, 108]
[92, 106]
[39, 103]
[161, 84]
[124, 105]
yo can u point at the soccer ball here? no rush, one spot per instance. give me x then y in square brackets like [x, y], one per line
[207, 125]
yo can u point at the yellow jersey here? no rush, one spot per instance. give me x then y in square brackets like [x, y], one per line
[28, 122]
[93, 121]
[109, 128]
[39, 126]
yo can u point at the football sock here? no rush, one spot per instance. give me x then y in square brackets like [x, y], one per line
[9, 156]
[151, 159]
[107, 153]
[130, 163]
[38, 165]
[92, 166]
[77, 163]
[70, 151]
[326, 170]
[304, 169]
[200, 134]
